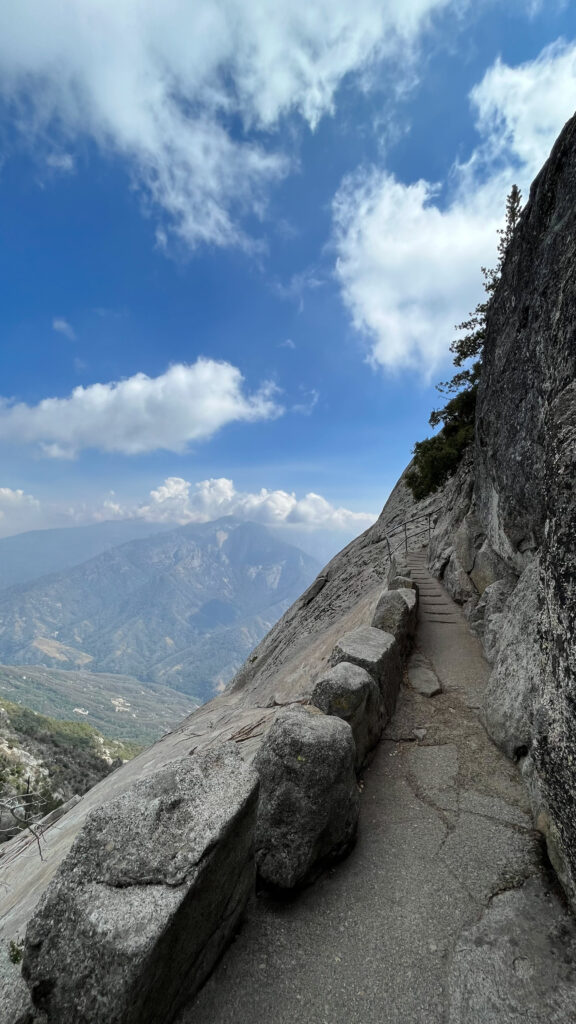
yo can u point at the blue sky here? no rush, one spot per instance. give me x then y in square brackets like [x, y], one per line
[235, 237]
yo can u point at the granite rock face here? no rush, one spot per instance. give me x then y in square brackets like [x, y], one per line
[309, 801]
[514, 690]
[526, 461]
[350, 693]
[486, 619]
[148, 896]
[458, 583]
[514, 499]
[517, 963]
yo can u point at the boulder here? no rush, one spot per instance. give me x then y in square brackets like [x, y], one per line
[379, 653]
[309, 801]
[349, 692]
[148, 896]
[402, 583]
[422, 677]
[486, 618]
[396, 613]
[459, 585]
[488, 567]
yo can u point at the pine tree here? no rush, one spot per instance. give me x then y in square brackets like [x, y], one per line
[472, 342]
[436, 458]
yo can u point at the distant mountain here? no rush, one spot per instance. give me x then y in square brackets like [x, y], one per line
[27, 556]
[183, 608]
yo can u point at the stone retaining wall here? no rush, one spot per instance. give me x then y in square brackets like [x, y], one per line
[152, 889]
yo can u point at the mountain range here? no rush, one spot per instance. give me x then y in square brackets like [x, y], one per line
[27, 556]
[183, 607]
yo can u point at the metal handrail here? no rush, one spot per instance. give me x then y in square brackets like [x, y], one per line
[404, 527]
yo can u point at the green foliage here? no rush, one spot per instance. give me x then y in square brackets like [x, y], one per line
[56, 692]
[16, 951]
[71, 736]
[43, 729]
[73, 754]
[437, 458]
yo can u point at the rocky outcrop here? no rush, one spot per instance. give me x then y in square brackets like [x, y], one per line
[514, 690]
[513, 502]
[148, 896]
[517, 962]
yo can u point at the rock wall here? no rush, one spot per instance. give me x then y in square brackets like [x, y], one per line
[506, 545]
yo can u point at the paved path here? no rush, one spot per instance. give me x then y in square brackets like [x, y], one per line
[431, 920]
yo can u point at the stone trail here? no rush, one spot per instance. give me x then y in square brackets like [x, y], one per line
[444, 913]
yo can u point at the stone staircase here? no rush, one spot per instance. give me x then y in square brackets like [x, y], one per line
[435, 604]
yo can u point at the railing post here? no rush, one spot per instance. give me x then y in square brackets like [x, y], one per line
[405, 538]
[429, 527]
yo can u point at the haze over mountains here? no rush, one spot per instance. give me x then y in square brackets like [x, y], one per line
[26, 556]
[182, 607]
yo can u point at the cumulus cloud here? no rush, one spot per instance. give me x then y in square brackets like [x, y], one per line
[179, 501]
[15, 499]
[63, 327]
[18, 511]
[140, 414]
[162, 84]
[409, 255]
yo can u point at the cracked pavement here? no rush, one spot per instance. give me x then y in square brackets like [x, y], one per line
[445, 912]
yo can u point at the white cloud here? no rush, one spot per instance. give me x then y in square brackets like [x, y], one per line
[63, 327]
[309, 402]
[409, 259]
[161, 84]
[295, 289]
[521, 110]
[63, 162]
[18, 511]
[407, 270]
[140, 414]
[11, 500]
[178, 501]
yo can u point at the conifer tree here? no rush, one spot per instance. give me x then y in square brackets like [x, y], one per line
[436, 458]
